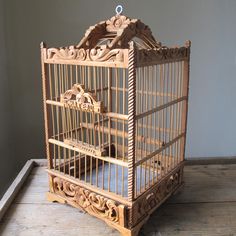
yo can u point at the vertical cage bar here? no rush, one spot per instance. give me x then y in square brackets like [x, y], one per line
[109, 124]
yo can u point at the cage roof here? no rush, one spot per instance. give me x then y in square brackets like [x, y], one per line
[107, 44]
[118, 32]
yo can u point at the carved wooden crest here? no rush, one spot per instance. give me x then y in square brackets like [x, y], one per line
[77, 98]
[117, 32]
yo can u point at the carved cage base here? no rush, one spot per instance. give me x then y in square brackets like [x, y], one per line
[126, 218]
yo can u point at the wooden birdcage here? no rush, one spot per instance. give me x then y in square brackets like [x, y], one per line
[115, 109]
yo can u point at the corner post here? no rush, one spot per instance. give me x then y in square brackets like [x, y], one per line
[44, 84]
[131, 119]
[186, 70]
[131, 127]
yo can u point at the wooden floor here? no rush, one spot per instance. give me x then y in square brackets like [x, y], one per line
[206, 206]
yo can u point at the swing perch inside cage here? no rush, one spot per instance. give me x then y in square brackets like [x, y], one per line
[115, 109]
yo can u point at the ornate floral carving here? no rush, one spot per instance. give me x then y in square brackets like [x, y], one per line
[117, 22]
[94, 54]
[77, 98]
[67, 53]
[89, 201]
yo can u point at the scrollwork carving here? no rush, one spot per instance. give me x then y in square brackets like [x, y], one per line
[67, 53]
[89, 201]
[94, 54]
[106, 55]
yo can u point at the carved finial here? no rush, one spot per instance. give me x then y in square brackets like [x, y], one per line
[119, 9]
[131, 44]
[42, 45]
[188, 43]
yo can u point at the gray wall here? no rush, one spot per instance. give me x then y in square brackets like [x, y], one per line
[210, 24]
[7, 166]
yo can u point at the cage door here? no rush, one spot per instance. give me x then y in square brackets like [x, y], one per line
[83, 121]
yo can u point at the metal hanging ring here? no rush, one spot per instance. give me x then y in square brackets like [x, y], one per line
[119, 9]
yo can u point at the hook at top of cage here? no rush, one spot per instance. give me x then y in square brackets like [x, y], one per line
[119, 9]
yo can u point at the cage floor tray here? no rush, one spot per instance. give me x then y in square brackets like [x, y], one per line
[100, 178]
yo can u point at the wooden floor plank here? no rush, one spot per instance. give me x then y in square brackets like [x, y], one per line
[200, 219]
[208, 183]
[58, 220]
[205, 207]
[35, 188]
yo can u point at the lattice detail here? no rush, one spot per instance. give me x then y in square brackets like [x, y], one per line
[77, 98]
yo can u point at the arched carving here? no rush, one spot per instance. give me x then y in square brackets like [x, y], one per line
[77, 98]
[120, 30]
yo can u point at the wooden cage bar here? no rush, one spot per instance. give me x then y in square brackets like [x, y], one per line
[115, 111]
